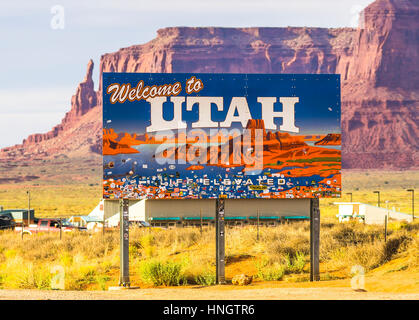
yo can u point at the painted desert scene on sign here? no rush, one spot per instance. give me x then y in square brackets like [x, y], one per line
[284, 157]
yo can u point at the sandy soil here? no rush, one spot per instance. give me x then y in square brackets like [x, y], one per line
[228, 292]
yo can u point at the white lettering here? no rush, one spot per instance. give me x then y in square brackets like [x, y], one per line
[157, 121]
[287, 114]
[204, 105]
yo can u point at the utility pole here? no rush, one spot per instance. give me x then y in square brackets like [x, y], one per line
[257, 225]
[103, 219]
[378, 193]
[386, 222]
[413, 202]
[29, 212]
[29, 207]
[200, 221]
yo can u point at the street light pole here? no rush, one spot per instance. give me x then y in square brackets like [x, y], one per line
[378, 193]
[386, 222]
[413, 202]
[200, 221]
[257, 225]
[350, 193]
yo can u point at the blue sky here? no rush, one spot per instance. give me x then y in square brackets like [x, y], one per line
[41, 66]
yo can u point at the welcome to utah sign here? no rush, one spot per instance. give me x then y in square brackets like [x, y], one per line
[199, 136]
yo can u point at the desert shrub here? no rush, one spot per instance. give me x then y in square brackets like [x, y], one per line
[147, 244]
[289, 247]
[295, 264]
[411, 227]
[369, 256]
[181, 238]
[66, 259]
[80, 278]
[162, 273]
[393, 245]
[206, 278]
[328, 246]
[20, 274]
[95, 246]
[327, 225]
[101, 281]
[413, 252]
[327, 277]
[356, 234]
[32, 277]
[270, 271]
[188, 238]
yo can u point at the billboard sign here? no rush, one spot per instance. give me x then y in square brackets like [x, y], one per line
[208, 136]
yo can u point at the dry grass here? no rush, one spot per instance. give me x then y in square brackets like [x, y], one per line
[180, 256]
[52, 201]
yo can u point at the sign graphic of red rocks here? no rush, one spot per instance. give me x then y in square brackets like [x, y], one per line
[200, 136]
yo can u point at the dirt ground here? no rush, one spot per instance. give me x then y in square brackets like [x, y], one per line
[257, 291]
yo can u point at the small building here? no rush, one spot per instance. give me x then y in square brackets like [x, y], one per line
[17, 216]
[136, 213]
[89, 222]
[368, 213]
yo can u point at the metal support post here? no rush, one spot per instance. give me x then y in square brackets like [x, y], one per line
[124, 243]
[314, 239]
[220, 241]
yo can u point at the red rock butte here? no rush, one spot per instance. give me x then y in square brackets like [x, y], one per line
[378, 63]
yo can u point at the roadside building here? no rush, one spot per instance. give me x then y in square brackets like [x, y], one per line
[369, 214]
[18, 216]
[89, 222]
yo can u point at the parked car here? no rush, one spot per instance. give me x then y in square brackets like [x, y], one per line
[47, 225]
[139, 223]
[143, 224]
[6, 223]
